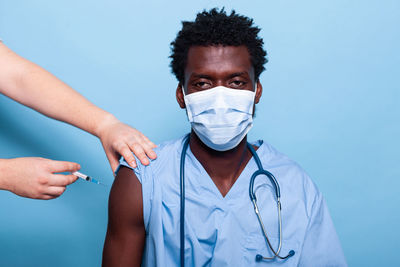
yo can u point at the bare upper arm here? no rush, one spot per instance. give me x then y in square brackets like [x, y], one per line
[125, 232]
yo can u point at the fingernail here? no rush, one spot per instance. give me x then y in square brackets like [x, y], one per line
[133, 164]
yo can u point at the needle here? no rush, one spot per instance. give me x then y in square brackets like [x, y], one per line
[87, 178]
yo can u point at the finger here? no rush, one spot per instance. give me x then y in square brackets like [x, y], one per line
[113, 158]
[55, 191]
[153, 145]
[47, 197]
[137, 149]
[149, 151]
[63, 166]
[62, 180]
[149, 143]
[114, 162]
[127, 154]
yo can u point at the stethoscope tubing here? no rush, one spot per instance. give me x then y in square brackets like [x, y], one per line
[261, 171]
[182, 190]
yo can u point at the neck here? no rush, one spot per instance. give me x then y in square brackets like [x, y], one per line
[224, 167]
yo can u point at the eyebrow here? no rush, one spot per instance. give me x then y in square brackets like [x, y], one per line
[204, 76]
[237, 74]
[198, 75]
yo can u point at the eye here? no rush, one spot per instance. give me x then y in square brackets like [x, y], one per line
[238, 84]
[202, 85]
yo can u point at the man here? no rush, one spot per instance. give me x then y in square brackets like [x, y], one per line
[217, 60]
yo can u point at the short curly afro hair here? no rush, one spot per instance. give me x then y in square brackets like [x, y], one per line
[215, 27]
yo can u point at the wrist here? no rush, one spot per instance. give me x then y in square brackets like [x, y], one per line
[4, 174]
[107, 120]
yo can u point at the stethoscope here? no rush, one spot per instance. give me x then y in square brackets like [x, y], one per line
[253, 198]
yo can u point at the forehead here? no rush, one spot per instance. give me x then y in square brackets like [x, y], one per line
[218, 60]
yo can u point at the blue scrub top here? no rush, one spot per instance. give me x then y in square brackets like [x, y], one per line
[224, 231]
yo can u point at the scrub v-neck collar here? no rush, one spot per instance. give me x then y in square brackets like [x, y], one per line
[239, 187]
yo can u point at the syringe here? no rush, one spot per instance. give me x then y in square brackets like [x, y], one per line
[87, 178]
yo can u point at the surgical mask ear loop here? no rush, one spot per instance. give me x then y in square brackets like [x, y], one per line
[189, 114]
[183, 91]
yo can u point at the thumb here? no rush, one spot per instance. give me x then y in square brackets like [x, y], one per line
[113, 159]
[63, 166]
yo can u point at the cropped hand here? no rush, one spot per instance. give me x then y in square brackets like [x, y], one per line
[36, 177]
[119, 139]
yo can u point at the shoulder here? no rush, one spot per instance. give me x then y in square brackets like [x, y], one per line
[271, 158]
[167, 153]
[292, 178]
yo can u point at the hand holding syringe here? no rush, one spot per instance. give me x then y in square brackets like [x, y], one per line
[87, 178]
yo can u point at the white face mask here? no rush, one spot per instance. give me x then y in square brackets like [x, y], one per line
[221, 117]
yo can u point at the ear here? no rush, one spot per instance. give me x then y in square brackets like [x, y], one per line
[179, 96]
[258, 92]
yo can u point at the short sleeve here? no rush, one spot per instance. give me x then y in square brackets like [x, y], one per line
[145, 177]
[321, 245]
[137, 170]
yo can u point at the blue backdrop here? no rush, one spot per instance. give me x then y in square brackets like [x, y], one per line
[330, 102]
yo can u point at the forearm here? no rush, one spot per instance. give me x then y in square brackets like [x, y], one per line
[31, 85]
[3, 174]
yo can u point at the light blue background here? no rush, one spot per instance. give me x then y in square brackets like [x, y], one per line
[330, 102]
